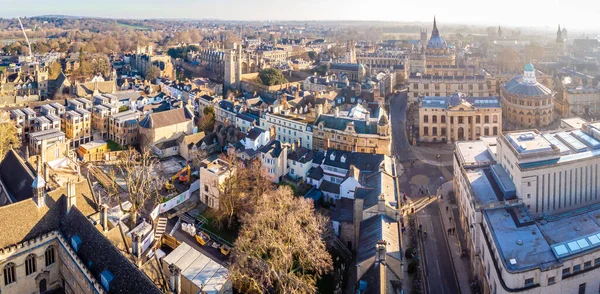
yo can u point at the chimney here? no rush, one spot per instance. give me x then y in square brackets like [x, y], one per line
[337, 111]
[381, 204]
[380, 251]
[136, 249]
[39, 186]
[104, 217]
[174, 279]
[71, 198]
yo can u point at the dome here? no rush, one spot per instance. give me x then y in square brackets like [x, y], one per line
[518, 86]
[437, 42]
[529, 67]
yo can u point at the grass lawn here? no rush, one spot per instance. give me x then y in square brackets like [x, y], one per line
[113, 146]
[210, 225]
[125, 25]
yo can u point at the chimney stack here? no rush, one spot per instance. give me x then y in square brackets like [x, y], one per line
[380, 251]
[136, 248]
[104, 217]
[71, 198]
[381, 204]
[174, 279]
[39, 187]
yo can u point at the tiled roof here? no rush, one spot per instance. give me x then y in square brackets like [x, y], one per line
[24, 220]
[99, 254]
[516, 86]
[17, 176]
[166, 118]
[302, 155]
[254, 133]
[315, 173]
[273, 148]
[330, 187]
[344, 210]
[373, 229]
[365, 162]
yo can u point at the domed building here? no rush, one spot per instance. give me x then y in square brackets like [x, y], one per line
[525, 101]
[437, 51]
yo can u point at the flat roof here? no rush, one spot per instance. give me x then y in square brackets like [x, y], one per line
[473, 153]
[528, 142]
[126, 115]
[92, 145]
[520, 242]
[573, 122]
[198, 268]
[485, 192]
[47, 134]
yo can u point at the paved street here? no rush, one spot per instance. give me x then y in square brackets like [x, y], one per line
[439, 272]
[424, 172]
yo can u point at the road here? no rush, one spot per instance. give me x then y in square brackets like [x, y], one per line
[439, 269]
[400, 146]
[439, 272]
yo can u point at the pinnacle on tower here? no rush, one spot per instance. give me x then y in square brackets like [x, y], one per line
[435, 31]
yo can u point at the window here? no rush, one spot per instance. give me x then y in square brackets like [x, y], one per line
[443, 131]
[205, 188]
[581, 288]
[460, 119]
[434, 131]
[9, 274]
[434, 119]
[486, 119]
[49, 255]
[478, 119]
[443, 119]
[551, 281]
[528, 282]
[30, 264]
[597, 261]
[566, 272]
[425, 118]
[528, 196]
[587, 264]
[425, 131]
[576, 268]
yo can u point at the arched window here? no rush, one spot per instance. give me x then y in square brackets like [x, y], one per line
[30, 265]
[486, 119]
[50, 255]
[495, 119]
[9, 274]
[478, 119]
[443, 119]
[425, 118]
[495, 131]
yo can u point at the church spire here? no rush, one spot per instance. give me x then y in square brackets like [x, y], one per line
[559, 37]
[435, 31]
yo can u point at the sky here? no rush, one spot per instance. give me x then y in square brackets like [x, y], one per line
[574, 14]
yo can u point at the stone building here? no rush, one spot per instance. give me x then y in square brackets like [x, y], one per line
[421, 85]
[123, 127]
[526, 102]
[144, 59]
[528, 202]
[166, 126]
[53, 245]
[458, 117]
[437, 51]
[369, 134]
[232, 75]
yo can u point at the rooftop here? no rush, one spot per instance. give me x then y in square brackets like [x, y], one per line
[474, 153]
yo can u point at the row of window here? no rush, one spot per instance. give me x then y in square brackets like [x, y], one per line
[10, 272]
[434, 131]
[486, 119]
[448, 86]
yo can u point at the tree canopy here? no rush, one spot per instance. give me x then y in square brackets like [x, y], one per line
[280, 247]
[9, 137]
[271, 77]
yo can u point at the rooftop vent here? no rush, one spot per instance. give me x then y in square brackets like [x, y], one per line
[519, 242]
[513, 261]
[577, 228]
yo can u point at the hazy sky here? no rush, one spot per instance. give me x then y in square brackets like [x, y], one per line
[539, 13]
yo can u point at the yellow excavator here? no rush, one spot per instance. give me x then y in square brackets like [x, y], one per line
[183, 175]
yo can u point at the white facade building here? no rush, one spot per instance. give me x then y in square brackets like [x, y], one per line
[289, 128]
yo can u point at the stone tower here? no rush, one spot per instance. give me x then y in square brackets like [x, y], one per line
[423, 37]
[350, 52]
[232, 75]
[560, 41]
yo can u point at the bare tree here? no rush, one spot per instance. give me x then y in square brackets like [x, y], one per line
[9, 137]
[281, 248]
[142, 184]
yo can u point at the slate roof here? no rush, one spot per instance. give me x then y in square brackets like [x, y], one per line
[24, 220]
[302, 155]
[99, 254]
[17, 176]
[344, 210]
[346, 66]
[273, 148]
[254, 133]
[365, 162]
[457, 98]
[167, 144]
[373, 229]
[166, 118]
[340, 123]
[330, 187]
[373, 186]
[517, 86]
[315, 173]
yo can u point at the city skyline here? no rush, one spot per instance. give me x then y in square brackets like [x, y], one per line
[537, 13]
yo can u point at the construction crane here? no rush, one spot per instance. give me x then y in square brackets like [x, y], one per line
[26, 39]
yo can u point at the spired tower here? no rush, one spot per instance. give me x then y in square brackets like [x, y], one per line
[232, 74]
[560, 41]
[350, 56]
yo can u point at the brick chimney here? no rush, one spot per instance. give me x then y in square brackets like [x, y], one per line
[71, 196]
[174, 279]
[104, 217]
[136, 248]
[381, 204]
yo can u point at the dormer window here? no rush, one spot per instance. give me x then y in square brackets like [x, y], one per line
[343, 158]
[332, 156]
[76, 243]
[105, 278]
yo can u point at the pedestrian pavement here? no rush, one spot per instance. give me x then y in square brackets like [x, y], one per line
[455, 237]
